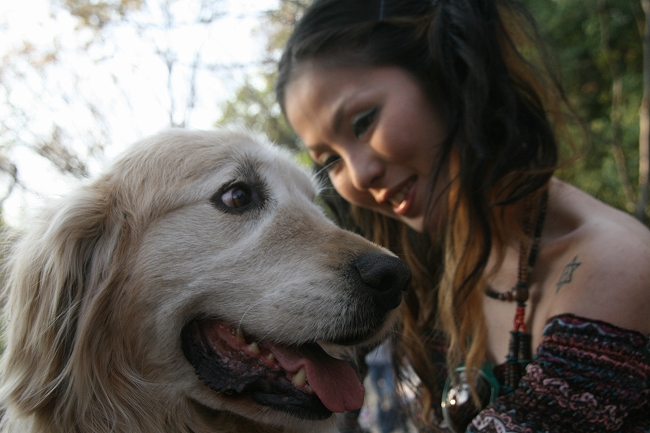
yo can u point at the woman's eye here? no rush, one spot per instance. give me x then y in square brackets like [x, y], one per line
[363, 121]
[237, 197]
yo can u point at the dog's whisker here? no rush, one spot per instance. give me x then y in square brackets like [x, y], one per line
[326, 167]
[254, 304]
[269, 332]
[326, 188]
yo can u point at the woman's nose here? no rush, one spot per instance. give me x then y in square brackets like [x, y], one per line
[365, 169]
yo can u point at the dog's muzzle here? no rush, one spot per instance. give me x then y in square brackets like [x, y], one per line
[303, 380]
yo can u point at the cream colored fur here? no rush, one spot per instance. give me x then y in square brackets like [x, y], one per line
[102, 283]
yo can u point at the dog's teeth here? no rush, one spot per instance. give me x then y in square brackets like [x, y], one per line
[308, 390]
[270, 357]
[253, 348]
[300, 378]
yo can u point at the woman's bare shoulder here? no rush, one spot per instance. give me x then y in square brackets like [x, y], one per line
[603, 269]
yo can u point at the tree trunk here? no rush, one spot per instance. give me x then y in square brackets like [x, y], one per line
[616, 113]
[644, 121]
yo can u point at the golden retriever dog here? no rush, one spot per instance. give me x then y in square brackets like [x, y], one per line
[197, 287]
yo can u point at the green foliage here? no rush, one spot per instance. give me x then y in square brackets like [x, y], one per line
[254, 107]
[592, 40]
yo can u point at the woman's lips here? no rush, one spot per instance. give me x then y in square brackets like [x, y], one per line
[402, 200]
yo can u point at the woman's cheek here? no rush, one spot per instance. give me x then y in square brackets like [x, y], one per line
[342, 186]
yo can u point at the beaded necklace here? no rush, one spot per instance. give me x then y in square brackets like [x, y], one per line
[519, 349]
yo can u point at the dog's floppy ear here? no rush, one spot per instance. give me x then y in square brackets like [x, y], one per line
[54, 273]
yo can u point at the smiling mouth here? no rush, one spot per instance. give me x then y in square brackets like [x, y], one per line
[303, 381]
[397, 199]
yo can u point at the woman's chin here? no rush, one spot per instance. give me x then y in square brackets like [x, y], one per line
[416, 223]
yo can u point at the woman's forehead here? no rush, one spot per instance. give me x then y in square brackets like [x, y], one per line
[314, 84]
[317, 83]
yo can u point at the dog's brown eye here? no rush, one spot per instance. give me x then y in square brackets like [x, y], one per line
[239, 197]
[236, 197]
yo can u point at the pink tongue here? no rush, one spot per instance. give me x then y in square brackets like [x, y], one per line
[334, 381]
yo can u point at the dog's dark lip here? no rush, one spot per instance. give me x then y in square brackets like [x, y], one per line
[238, 366]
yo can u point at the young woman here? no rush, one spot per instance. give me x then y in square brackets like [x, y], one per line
[438, 127]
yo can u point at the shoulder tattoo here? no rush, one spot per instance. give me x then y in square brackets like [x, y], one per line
[567, 273]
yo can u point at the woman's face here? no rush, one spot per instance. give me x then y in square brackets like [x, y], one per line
[373, 129]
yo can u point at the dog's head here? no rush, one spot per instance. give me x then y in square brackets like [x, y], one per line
[197, 277]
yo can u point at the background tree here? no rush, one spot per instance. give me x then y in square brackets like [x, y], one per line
[254, 104]
[599, 48]
[644, 114]
[70, 93]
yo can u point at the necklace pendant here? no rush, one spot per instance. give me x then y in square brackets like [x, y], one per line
[519, 293]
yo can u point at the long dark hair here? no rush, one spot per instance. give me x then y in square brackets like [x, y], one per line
[480, 64]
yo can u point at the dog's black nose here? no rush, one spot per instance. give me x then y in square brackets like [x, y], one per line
[387, 276]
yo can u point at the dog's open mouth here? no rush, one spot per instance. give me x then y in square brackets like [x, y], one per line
[303, 381]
